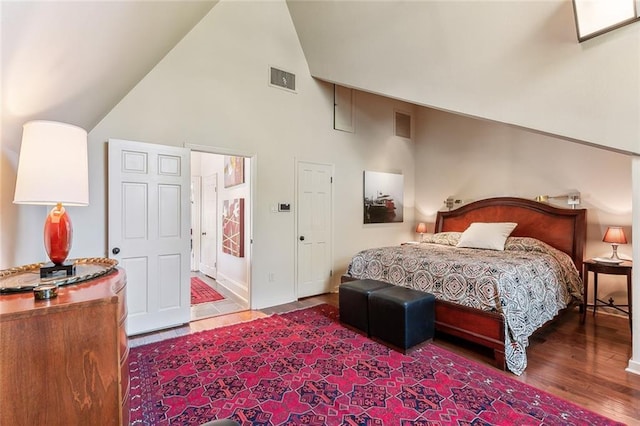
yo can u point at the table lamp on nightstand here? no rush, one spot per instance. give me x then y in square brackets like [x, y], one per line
[53, 170]
[421, 229]
[615, 235]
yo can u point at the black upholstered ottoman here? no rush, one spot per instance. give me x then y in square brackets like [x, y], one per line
[353, 298]
[401, 316]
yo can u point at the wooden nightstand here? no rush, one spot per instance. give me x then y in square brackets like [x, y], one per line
[623, 268]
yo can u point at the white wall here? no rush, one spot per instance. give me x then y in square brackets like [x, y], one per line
[471, 159]
[214, 93]
[634, 362]
[516, 62]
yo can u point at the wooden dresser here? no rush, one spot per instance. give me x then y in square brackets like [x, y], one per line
[64, 361]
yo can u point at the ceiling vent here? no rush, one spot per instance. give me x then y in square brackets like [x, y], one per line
[282, 79]
[402, 124]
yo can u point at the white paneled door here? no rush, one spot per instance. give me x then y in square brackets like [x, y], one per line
[195, 223]
[209, 230]
[149, 227]
[314, 228]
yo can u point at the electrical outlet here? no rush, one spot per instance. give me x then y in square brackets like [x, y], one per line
[272, 277]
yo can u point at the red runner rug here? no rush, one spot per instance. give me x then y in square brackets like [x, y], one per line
[201, 292]
[304, 368]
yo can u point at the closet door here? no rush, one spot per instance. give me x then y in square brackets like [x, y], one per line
[315, 225]
[209, 231]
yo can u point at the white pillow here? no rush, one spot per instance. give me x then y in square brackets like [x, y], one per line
[490, 236]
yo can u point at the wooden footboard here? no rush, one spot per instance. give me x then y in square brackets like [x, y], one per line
[481, 327]
[474, 325]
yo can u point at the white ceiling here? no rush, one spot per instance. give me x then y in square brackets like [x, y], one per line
[74, 61]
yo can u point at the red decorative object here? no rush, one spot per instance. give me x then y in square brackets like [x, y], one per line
[201, 292]
[233, 227]
[58, 234]
[305, 368]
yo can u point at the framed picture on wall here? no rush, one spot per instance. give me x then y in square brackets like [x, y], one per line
[233, 227]
[383, 197]
[233, 171]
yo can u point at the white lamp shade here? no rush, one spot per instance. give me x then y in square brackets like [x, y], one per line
[53, 166]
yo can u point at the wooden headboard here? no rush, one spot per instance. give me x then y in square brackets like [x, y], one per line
[564, 229]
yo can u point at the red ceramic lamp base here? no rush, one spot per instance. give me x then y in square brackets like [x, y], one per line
[58, 234]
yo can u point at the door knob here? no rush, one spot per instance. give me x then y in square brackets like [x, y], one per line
[301, 237]
[204, 233]
[115, 250]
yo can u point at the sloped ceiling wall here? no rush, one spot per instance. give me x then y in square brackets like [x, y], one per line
[74, 61]
[516, 62]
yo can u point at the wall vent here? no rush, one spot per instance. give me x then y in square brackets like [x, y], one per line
[282, 79]
[402, 124]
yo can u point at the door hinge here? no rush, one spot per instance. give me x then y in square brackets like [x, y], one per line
[331, 179]
[331, 273]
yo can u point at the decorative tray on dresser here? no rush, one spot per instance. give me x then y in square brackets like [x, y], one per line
[64, 360]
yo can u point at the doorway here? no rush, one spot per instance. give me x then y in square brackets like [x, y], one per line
[214, 268]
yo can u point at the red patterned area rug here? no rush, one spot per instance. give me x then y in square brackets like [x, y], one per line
[201, 292]
[304, 368]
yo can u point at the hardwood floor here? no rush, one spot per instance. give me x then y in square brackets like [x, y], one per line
[582, 363]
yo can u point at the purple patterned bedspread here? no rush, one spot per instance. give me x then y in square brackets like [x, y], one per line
[529, 282]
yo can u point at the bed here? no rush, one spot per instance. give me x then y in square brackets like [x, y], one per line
[558, 233]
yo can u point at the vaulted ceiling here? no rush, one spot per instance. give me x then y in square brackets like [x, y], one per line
[74, 61]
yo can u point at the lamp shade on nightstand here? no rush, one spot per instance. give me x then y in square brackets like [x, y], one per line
[421, 229]
[615, 235]
[53, 170]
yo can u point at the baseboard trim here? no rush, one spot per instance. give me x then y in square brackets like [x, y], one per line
[238, 289]
[634, 367]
